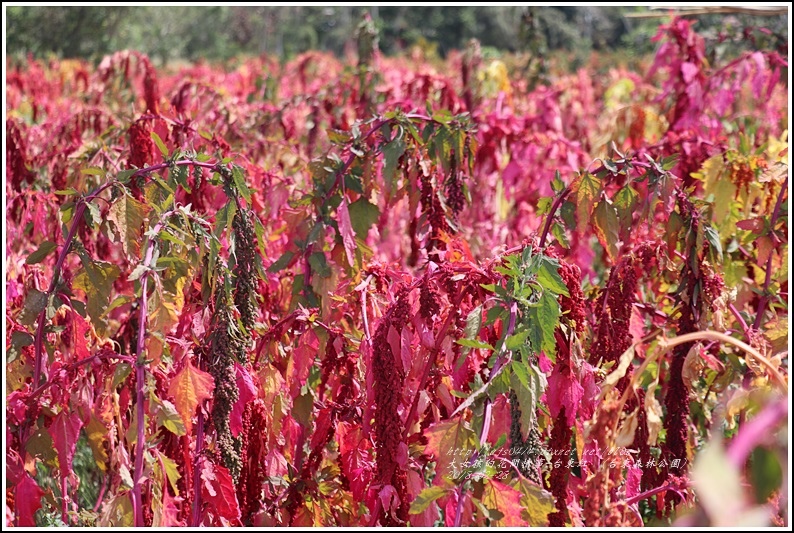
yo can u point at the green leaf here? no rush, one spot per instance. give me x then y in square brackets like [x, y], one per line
[139, 271]
[281, 263]
[544, 204]
[171, 471]
[625, 202]
[517, 340]
[160, 145]
[170, 419]
[558, 231]
[549, 277]
[473, 323]
[426, 497]
[35, 302]
[224, 218]
[528, 382]
[118, 301]
[557, 185]
[542, 319]
[765, 473]
[715, 245]
[128, 216]
[96, 279]
[69, 191]
[92, 214]
[392, 152]
[93, 171]
[124, 176]
[586, 188]
[120, 374]
[239, 182]
[363, 215]
[180, 175]
[319, 264]
[474, 343]
[607, 227]
[536, 502]
[43, 251]
[19, 339]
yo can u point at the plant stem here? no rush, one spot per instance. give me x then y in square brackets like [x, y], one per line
[666, 344]
[550, 217]
[740, 320]
[486, 422]
[759, 314]
[39, 339]
[431, 359]
[77, 219]
[197, 471]
[756, 431]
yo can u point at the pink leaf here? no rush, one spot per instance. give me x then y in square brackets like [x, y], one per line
[633, 477]
[415, 484]
[563, 391]
[217, 489]
[689, 71]
[346, 230]
[27, 499]
[65, 430]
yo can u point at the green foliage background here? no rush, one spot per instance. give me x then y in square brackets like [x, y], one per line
[222, 32]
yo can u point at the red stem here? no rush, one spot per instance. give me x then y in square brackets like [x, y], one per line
[140, 378]
[657, 490]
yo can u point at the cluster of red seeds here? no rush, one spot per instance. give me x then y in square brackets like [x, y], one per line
[141, 143]
[388, 396]
[558, 480]
[613, 308]
[252, 477]
[574, 304]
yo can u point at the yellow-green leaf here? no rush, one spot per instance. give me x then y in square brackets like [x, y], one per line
[426, 497]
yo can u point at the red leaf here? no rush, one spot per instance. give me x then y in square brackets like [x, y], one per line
[217, 489]
[247, 393]
[633, 478]
[450, 504]
[78, 341]
[65, 430]
[500, 419]
[506, 500]
[346, 230]
[563, 391]
[189, 388]
[415, 484]
[302, 360]
[356, 457]
[169, 512]
[324, 420]
[27, 499]
[451, 443]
